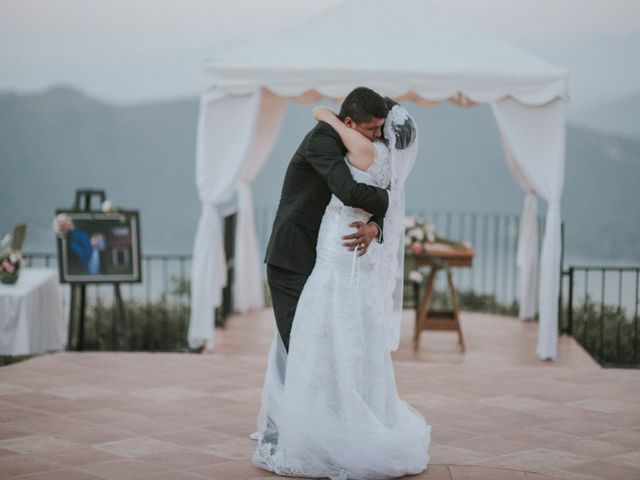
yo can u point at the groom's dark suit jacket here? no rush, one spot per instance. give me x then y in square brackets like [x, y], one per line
[316, 170]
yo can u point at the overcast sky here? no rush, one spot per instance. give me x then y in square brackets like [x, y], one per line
[131, 51]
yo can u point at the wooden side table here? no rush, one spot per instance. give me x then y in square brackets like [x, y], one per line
[439, 256]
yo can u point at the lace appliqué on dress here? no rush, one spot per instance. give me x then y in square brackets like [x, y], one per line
[380, 169]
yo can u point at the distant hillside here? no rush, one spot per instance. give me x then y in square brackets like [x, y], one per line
[621, 117]
[143, 156]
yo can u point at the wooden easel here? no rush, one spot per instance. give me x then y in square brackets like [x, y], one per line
[78, 290]
[440, 257]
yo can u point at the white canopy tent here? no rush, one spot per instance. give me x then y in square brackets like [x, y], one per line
[406, 49]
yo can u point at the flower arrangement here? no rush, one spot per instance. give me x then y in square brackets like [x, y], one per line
[62, 225]
[10, 263]
[418, 235]
[108, 207]
[11, 260]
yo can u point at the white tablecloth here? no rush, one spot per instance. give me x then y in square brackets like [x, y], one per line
[32, 314]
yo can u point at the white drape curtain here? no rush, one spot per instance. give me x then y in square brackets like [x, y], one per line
[527, 253]
[534, 138]
[249, 291]
[226, 126]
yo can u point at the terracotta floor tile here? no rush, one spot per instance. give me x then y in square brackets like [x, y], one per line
[589, 447]
[123, 470]
[606, 470]
[167, 394]
[137, 447]
[182, 459]
[475, 472]
[22, 465]
[81, 456]
[537, 460]
[434, 472]
[444, 454]
[236, 470]
[148, 426]
[10, 431]
[39, 443]
[450, 435]
[491, 444]
[94, 435]
[8, 389]
[629, 458]
[601, 405]
[174, 476]
[237, 449]
[628, 438]
[51, 424]
[75, 392]
[64, 474]
[580, 428]
[567, 475]
[194, 438]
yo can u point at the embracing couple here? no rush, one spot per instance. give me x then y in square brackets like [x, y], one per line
[330, 406]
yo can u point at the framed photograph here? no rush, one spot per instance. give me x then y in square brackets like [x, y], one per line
[100, 247]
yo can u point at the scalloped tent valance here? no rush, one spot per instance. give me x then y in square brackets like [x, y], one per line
[398, 48]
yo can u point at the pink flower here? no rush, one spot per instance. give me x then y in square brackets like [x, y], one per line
[7, 266]
[416, 248]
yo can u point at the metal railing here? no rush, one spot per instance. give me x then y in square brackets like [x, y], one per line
[601, 312]
[492, 283]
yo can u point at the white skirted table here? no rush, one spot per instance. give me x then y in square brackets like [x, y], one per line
[32, 314]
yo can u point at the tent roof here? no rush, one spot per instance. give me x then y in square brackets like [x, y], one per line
[400, 48]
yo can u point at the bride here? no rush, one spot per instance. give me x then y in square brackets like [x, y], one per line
[330, 407]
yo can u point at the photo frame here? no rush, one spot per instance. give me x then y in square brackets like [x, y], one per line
[100, 248]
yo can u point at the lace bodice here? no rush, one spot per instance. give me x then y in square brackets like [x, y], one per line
[380, 169]
[379, 172]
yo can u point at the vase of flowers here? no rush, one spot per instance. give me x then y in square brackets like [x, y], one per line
[10, 263]
[418, 236]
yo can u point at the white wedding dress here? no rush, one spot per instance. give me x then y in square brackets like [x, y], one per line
[330, 408]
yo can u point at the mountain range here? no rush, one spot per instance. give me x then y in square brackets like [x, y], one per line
[60, 140]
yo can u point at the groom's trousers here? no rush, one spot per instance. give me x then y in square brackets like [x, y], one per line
[286, 287]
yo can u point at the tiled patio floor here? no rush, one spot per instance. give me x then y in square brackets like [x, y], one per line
[497, 412]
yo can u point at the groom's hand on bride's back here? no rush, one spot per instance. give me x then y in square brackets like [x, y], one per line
[361, 238]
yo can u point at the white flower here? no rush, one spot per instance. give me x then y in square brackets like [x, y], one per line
[430, 230]
[107, 206]
[62, 224]
[409, 222]
[417, 233]
[415, 276]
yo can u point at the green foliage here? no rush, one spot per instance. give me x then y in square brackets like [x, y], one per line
[8, 360]
[604, 331]
[154, 326]
[467, 299]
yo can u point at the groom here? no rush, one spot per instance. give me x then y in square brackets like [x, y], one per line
[316, 171]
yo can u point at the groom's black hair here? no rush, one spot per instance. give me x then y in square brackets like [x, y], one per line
[363, 104]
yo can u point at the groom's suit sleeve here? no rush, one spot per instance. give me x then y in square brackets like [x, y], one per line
[326, 155]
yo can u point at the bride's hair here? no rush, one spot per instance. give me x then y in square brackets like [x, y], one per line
[401, 126]
[361, 105]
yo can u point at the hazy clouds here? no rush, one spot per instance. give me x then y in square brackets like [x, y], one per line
[137, 50]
